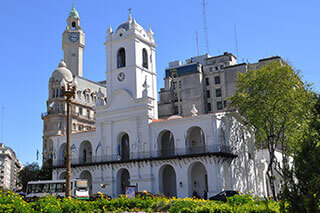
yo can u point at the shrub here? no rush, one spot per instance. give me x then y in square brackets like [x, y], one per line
[11, 202]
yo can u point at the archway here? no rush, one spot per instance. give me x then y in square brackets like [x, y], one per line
[166, 143]
[85, 152]
[196, 140]
[144, 58]
[123, 181]
[198, 180]
[124, 147]
[62, 175]
[87, 175]
[167, 181]
[121, 58]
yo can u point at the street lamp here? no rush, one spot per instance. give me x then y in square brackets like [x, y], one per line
[68, 91]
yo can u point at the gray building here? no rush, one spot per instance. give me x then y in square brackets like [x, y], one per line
[9, 168]
[82, 110]
[204, 81]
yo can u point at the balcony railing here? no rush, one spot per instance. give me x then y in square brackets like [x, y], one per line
[65, 113]
[152, 155]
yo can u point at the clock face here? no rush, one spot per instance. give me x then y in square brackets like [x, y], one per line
[74, 37]
[121, 76]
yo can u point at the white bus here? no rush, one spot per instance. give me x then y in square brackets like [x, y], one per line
[36, 189]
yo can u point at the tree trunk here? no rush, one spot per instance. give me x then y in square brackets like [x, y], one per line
[270, 172]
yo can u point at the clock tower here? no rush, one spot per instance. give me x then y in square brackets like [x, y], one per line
[73, 42]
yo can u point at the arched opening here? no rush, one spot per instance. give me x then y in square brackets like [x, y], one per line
[166, 143]
[63, 154]
[144, 58]
[62, 175]
[121, 58]
[198, 180]
[124, 147]
[196, 140]
[87, 175]
[123, 181]
[85, 152]
[167, 181]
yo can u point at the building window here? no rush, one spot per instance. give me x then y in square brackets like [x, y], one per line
[174, 85]
[224, 104]
[219, 105]
[207, 82]
[80, 110]
[121, 58]
[217, 80]
[209, 107]
[144, 58]
[207, 93]
[88, 113]
[218, 92]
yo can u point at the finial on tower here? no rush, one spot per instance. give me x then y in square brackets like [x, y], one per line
[74, 13]
[130, 17]
[109, 31]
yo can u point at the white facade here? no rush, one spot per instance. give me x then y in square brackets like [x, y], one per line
[9, 168]
[199, 155]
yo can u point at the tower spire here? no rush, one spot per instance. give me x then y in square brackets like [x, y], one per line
[130, 16]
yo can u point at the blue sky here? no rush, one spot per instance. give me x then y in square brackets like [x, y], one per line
[31, 33]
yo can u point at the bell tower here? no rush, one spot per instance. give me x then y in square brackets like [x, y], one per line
[73, 42]
[130, 52]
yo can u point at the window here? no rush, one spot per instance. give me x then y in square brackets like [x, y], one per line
[207, 82]
[73, 25]
[217, 80]
[219, 105]
[218, 92]
[207, 93]
[144, 58]
[80, 110]
[121, 58]
[224, 103]
[88, 113]
[174, 85]
[209, 107]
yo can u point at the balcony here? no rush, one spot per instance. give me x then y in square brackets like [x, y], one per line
[178, 153]
[63, 112]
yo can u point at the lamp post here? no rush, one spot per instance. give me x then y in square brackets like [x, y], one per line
[68, 91]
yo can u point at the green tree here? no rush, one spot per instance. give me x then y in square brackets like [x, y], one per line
[302, 191]
[275, 101]
[28, 173]
[33, 172]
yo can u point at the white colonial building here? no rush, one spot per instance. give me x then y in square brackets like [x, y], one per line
[129, 146]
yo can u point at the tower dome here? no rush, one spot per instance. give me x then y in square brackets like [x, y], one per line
[62, 72]
[74, 13]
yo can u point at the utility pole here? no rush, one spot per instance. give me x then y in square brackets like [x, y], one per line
[197, 42]
[205, 28]
[68, 91]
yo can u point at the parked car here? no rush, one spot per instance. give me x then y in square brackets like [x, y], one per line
[100, 195]
[144, 194]
[222, 196]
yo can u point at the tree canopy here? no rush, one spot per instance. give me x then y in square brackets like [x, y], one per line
[275, 101]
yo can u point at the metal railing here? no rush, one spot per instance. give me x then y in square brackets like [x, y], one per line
[50, 112]
[151, 155]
